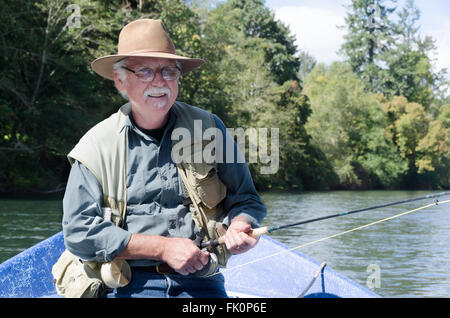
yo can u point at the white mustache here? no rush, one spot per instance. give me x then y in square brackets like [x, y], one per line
[157, 91]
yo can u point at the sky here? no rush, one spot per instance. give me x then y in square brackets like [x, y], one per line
[314, 24]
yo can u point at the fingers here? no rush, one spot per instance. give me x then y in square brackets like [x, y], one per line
[194, 263]
[238, 242]
[185, 257]
[236, 238]
[199, 262]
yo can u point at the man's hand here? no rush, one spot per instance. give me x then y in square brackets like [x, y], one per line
[236, 238]
[184, 256]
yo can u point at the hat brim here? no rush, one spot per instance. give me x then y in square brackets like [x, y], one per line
[103, 66]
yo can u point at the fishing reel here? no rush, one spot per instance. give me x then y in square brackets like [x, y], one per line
[213, 263]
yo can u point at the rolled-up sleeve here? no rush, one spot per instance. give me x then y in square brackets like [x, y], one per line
[242, 197]
[86, 234]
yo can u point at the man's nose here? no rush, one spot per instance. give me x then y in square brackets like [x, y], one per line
[158, 80]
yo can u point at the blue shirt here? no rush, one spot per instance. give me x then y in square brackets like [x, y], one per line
[154, 198]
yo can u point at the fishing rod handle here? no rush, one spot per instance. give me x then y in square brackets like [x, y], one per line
[255, 233]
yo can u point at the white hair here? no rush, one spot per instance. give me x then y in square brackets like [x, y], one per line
[122, 74]
[120, 71]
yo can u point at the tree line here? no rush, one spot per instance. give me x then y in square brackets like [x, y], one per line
[379, 120]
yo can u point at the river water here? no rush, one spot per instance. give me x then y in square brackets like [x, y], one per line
[407, 256]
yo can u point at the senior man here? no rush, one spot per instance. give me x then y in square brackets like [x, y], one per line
[127, 198]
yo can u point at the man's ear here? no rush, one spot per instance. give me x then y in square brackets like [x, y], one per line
[120, 85]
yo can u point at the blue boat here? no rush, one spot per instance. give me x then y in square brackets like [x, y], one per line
[270, 270]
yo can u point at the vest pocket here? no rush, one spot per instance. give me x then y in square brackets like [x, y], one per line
[209, 188]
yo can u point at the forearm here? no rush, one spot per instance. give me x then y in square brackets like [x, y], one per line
[143, 246]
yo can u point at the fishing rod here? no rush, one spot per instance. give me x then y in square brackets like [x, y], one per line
[255, 233]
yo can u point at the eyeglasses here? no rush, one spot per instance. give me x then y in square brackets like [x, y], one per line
[145, 75]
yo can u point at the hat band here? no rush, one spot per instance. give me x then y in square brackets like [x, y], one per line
[145, 51]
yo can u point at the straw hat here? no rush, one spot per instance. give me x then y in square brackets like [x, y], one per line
[143, 38]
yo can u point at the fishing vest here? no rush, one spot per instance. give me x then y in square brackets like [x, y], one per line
[103, 151]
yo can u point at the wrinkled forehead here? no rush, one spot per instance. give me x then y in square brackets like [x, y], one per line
[151, 62]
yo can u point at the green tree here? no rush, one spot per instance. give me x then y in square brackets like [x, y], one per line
[257, 21]
[369, 36]
[348, 125]
[423, 142]
[49, 94]
[44, 88]
[410, 71]
[264, 90]
[307, 64]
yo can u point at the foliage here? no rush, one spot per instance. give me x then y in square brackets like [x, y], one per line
[257, 21]
[410, 70]
[391, 57]
[393, 60]
[260, 80]
[379, 121]
[348, 124]
[424, 143]
[44, 77]
[369, 36]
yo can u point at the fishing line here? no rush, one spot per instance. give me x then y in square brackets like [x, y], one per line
[331, 236]
[269, 229]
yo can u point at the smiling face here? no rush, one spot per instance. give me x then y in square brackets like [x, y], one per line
[150, 100]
